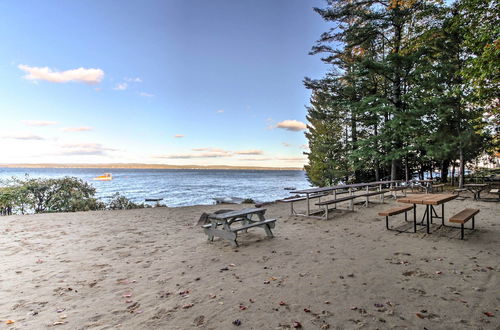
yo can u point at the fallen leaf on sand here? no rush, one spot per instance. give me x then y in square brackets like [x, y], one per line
[127, 295]
[307, 310]
[282, 303]
[58, 323]
[60, 310]
[439, 272]
[251, 300]
[232, 265]
[243, 307]
[296, 325]
[187, 306]
[212, 296]
[420, 316]
[10, 322]
[489, 314]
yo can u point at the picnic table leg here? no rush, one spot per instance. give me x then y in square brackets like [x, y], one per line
[351, 192]
[229, 235]
[442, 214]
[414, 218]
[428, 217]
[269, 233]
[308, 210]
[210, 231]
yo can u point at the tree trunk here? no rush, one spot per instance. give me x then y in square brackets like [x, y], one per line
[462, 167]
[453, 173]
[407, 170]
[393, 170]
[445, 164]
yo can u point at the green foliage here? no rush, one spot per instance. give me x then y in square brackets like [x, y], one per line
[120, 202]
[398, 96]
[66, 194]
[248, 201]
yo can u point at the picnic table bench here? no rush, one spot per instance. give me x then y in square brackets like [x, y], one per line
[220, 224]
[462, 217]
[436, 187]
[292, 200]
[395, 211]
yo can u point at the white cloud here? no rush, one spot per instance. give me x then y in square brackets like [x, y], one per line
[84, 149]
[220, 111]
[178, 136]
[292, 159]
[77, 129]
[121, 87]
[249, 152]
[200, 153]
[39, 122]
[292, 125]
[136, 80]
[255, 159]
[194, 155]
[22, 137]
[146, 94]
[212, 150]
[88, 76]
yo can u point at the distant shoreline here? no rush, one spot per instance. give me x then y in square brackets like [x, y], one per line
[152, 167]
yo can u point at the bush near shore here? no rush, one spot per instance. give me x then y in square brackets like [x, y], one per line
[68, 194]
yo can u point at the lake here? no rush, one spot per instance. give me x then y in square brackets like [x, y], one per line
[178, 187]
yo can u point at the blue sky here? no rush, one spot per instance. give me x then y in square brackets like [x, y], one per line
[165, 82]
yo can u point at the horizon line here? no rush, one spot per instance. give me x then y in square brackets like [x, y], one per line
[145, 166]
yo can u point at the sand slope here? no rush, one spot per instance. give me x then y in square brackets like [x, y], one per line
[153, 269]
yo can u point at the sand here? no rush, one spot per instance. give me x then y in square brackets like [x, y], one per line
[153, 269]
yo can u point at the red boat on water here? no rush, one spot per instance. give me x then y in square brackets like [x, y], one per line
[104, 177]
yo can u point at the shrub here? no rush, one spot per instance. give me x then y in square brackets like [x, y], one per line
[68, 194]
[120, 202]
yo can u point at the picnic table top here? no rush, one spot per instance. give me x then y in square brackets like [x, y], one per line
[475, 185]
[237, 213]
[427, 199]
[341, 186]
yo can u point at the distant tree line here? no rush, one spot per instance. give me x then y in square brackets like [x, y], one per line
[68, 194]
[412, 86]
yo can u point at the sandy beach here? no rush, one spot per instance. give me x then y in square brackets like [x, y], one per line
[154, 269]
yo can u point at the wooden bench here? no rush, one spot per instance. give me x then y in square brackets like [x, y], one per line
[395, 189]
[459, 190]
[436, 187]
[373, 193]
[495, 191]
[462, 217]
[335, 201]
[232, 233]
[395, 211]
[298, 199]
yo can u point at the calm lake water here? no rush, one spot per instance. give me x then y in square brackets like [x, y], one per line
[178, 187]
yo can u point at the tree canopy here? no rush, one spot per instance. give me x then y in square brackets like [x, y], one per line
[409, 88]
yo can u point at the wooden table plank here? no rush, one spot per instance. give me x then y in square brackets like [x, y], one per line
[237, 213]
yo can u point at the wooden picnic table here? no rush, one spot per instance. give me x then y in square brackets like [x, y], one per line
[476, 188]
[221, 224]
[429, 201]
[309, 193]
